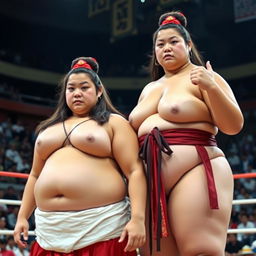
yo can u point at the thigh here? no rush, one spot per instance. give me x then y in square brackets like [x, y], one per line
[192, 221]
[168, 248]
[168, 245]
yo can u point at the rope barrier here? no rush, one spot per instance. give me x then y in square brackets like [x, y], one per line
[25, 175]
[244, 201]
[242, 230]
[244, 175]
[235, 202]
[14, 174]
[230, 231]
[10, 232]
[10, 202]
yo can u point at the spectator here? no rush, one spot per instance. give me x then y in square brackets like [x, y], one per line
[234, 161]
[21, 252]
[12, 156]
[3, 207]
[12, 217]
[233, 246]
[246, 250]
[245, 223]
[18, 129]
[11, 245]
[3, 226]
[4, 251]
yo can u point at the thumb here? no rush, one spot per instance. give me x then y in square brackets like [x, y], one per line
[123, 235]
[209, 66]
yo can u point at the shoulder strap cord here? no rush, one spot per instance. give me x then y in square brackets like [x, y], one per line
[68, 134]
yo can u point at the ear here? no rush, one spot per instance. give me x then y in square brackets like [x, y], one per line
[100, 91]
[190, 45]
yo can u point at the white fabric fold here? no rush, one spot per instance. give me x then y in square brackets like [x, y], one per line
[72, 230]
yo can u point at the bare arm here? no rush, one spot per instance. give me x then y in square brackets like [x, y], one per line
[219, 98]
[126, 153]
[28, 203]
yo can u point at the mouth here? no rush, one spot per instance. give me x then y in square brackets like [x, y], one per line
[77, 102]
[168, 57]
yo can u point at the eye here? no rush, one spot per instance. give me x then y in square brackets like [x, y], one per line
[84, 88]
[70, 89]
[160, 45]
[174, 42]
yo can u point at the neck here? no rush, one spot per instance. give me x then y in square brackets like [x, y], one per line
[82, 116]
[184, 67]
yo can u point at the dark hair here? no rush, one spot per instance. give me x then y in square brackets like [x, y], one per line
[100, 112]
[195, 57]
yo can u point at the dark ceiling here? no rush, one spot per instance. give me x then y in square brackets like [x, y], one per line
[49, 34]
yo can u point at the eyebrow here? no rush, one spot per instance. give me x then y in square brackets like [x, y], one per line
[82, 83]
[172, 37]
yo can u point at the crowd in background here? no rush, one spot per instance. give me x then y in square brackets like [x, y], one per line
[16, 152]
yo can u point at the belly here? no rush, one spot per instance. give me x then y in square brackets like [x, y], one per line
[156, 121]
[72, 180]
[183, 159]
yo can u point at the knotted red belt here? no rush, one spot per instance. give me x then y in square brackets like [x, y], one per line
[151, 147]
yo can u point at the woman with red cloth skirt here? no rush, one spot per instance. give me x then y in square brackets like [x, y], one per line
[85, 165]
[177, 117]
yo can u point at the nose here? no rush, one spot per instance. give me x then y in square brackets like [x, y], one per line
[77, 92]
[167, 48]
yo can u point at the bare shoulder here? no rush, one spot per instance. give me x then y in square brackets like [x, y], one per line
[221, 81]
[121, 126]
[117, 120]
[152, 86]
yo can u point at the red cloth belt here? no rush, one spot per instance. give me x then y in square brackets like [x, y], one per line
[151, 147]
[105, 248]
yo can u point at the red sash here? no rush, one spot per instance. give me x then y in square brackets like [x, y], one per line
[105, 248]
[152, 146]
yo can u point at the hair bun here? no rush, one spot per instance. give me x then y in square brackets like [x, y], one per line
[89, 60]
[176, 14]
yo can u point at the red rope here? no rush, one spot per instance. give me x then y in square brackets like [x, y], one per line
[245, 175]
[15, 175]
[25, 175]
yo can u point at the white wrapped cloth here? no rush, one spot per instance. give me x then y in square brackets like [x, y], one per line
[72, 230]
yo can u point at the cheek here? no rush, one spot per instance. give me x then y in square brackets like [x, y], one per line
[181, 49]
[91, 94]
[157, 51]
[68, 98]
[158, 54]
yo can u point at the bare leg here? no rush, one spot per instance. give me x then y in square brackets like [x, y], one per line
[199, 230]
[168, 246]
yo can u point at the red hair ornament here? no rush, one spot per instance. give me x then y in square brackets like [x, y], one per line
[82, 64]
[170, 20]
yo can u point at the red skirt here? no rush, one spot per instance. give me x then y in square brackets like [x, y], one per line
[105, 248]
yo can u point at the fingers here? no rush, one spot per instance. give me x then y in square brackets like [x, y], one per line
[201, 76]
[123, 235]
[21, 236]
[135, 233]
[195, 76]
[134, 242]
[18, 238]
